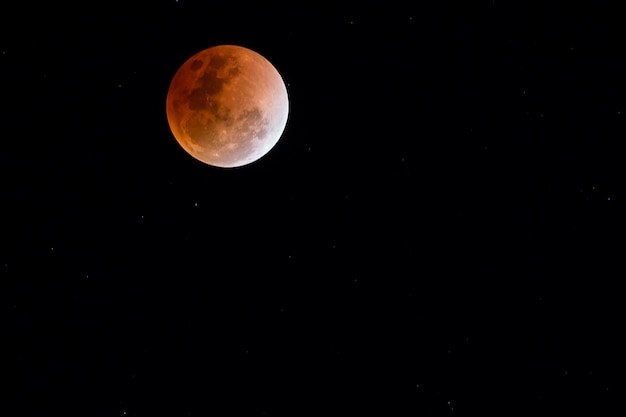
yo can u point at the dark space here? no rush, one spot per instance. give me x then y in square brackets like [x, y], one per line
[439, 231]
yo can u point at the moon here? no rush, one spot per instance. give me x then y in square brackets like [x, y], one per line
[227, 106]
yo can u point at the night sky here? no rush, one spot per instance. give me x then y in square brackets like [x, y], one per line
[439, 231]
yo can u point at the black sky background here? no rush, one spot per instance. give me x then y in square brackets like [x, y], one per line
[439, 231]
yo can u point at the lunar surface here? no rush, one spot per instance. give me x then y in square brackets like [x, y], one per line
[227, 106]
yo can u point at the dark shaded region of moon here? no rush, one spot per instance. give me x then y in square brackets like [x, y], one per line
[227, 106]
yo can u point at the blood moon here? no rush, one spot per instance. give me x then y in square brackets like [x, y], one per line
[227, 106]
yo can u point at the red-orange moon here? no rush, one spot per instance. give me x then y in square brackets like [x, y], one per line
[227, 106]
